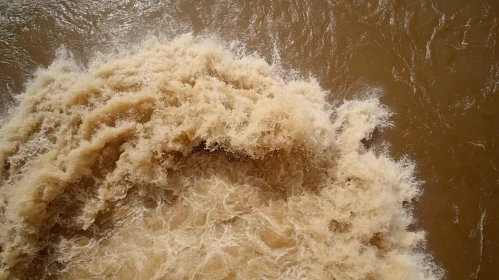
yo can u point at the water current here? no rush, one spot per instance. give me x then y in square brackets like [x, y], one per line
[249, 139]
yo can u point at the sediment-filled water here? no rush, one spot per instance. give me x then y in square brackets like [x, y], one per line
[238, 140]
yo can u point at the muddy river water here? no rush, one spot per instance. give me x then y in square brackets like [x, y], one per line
[249, 139]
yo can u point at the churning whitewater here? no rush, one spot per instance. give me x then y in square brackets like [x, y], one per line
[186, 159]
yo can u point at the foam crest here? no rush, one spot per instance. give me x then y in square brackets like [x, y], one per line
[188, 160]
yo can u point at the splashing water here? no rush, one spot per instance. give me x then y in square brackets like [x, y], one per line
[189, 160]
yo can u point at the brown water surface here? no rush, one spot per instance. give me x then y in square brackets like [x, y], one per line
[435, 64]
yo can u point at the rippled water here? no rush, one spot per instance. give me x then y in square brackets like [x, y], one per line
[434, 64]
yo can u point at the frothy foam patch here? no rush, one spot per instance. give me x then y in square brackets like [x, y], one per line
[186, 160]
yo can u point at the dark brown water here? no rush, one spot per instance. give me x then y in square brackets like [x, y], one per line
[435, 64]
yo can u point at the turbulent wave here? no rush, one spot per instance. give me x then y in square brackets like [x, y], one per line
[188, 160]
